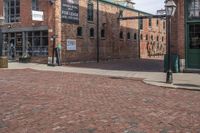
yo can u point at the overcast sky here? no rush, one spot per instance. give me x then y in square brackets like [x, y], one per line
[150, 6]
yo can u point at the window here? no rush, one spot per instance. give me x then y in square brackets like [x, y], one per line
[150, 22]
[141, 37]
[141, 23]
[164, 25]
[90, 12]
[194, 9]
[157, 38]
[152, 37]
[128, 35]
[135, 36]
[12, 10]
[121, 35]
[91, 32]
[147, 37]
[79, 31]
[37, 43]
[35, 5]
[162, 39]
[157, 22]
[103, 33]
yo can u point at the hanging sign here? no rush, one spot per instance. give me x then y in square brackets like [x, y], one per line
[70, 11]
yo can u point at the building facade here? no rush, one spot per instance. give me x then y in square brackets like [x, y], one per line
[186, 33]
[31, 26]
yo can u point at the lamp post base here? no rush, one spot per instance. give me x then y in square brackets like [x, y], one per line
[169, 79]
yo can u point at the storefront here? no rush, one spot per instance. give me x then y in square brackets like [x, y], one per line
[25, 43]
[192, 30]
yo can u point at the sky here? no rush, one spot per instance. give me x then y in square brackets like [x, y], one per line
[150, 6]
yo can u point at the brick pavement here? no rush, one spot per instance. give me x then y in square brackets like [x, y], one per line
[55, 102]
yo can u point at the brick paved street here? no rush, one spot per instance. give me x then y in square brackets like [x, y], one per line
[54, 102]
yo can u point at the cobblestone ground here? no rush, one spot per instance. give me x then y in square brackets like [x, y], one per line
[51, 102]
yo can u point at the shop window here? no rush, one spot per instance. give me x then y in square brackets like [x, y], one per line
[37, 43]
[128, 35]
[194, 9]
[12, 11]
[79, 31]
[121, 35]
[103, 33]
[90, 11]
[91, 32]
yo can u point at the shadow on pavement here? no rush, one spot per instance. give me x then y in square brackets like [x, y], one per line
[144, 65]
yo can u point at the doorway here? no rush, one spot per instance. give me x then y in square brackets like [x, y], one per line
[193, 46]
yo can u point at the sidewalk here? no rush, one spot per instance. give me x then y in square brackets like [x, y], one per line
[189, 81]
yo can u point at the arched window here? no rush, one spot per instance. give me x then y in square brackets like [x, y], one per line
[141, 37]
[152, 37]
[91, 32]
[90, 11]
[79, 31]
[103, 33]
[128, 35]
[162, 39]
[121, 35]
[157, 38]
[135, 36]
[147, 37]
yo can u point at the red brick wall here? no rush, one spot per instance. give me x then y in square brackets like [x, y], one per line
[152, 48]
[178, 30]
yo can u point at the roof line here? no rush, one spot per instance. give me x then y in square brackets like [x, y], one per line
[135, 10]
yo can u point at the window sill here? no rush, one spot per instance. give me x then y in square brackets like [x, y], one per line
[91, 22]
[79, 37]
[91, 37]
[103, 38]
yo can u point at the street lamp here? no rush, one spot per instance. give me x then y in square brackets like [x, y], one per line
[97, 31]
[1, 37]
[170, 8]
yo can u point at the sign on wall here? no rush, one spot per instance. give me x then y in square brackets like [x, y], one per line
[37, 15]
[71, 45]
[70, 11]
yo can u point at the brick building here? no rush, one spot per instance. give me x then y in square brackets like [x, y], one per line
[30, 25]
[186, 33]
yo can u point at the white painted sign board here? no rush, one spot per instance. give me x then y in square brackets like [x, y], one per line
[37, 15]
[71, 45]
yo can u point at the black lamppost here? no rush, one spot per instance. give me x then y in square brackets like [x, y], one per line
[170, 8]
[1, 37]
[97, 31]
[54, 36]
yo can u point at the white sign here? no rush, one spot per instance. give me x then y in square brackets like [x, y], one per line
[37, 15]
[71, 44]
